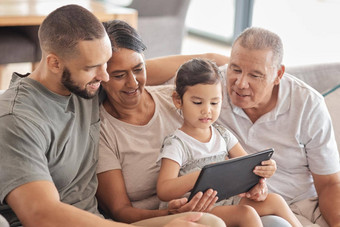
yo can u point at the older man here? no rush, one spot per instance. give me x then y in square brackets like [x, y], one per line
[267, 108]
[264, 107]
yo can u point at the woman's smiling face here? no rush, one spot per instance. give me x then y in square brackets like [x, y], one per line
[127, 73]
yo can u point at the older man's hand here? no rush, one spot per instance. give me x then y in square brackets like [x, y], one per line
[266, 169]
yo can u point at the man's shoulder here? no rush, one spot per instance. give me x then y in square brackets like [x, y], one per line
[7, 101]
[18, 94]
[18, 110]
[299, 88]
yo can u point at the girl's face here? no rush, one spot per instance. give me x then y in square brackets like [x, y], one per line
[127, 74]
[200, 105]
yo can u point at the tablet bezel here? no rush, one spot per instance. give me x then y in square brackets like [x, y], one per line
[231, 177]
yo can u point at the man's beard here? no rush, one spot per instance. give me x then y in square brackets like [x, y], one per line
[72, 87]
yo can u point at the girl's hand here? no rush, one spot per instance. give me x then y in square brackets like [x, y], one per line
[267, 169]
[200, 202]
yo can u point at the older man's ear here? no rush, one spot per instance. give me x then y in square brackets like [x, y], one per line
[279, 75]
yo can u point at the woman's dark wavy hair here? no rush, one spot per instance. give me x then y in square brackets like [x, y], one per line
[122, 35]
[196, 71]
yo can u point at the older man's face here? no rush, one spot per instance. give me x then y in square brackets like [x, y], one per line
[251, 77]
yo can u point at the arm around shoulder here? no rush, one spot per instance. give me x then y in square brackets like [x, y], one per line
[161, 69]
[113, 199]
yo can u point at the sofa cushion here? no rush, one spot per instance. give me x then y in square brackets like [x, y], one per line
[333, 104]
[321, 77]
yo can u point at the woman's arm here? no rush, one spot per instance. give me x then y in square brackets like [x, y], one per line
[169, 185]
[113, 199]
[161, 69]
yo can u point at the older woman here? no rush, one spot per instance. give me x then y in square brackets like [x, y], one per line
[135, 119]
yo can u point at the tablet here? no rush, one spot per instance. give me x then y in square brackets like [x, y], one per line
[231, 177]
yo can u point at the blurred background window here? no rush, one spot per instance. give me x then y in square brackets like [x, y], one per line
[309, 29]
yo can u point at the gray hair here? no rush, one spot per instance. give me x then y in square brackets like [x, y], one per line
[259, 39]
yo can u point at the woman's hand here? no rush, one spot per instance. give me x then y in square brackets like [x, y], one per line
[267, 168]
[200, 202]
[258, 193]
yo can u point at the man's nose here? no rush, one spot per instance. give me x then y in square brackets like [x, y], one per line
[102, 74]
[241, 81]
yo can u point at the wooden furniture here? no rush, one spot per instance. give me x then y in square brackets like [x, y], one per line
[33, 12]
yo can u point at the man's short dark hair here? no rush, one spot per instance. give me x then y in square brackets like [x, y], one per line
[62, 29]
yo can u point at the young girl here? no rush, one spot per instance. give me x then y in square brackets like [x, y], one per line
[199, 142]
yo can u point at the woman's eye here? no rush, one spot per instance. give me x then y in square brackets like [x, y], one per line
[118, 76]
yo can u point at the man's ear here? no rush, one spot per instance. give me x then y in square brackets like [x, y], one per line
[279, 75]
[53, 63]
[177, 100]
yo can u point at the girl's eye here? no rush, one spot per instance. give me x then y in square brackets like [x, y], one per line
[197, 103]
[237, 70]
[214, 103]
